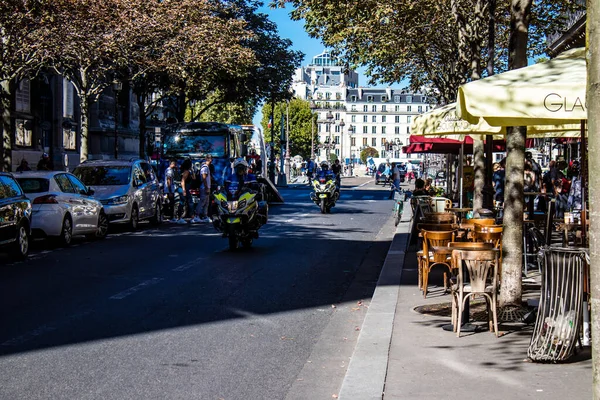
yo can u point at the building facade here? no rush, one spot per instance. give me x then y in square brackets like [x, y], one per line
[351, 118]
[45, 119]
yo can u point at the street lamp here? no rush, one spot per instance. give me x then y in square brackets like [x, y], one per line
[342, 124]
[117, 86]
[313, 107]
[328, 144]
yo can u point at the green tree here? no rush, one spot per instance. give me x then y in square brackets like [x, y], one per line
[368, 152]
[300, 123]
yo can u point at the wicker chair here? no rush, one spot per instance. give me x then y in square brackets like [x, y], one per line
[429, 259]
[481, 267]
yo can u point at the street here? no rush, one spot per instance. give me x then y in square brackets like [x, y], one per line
[170, 312]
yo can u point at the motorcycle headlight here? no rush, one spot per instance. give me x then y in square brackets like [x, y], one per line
[224, 204]
[242, 203]
[118, 200]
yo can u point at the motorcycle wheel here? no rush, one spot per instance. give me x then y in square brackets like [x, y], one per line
[398, 216]
[233, 242]
[323, 208]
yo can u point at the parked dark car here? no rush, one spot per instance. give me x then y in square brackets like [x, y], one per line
[15, 218]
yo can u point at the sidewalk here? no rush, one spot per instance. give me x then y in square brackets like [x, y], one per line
[403, 354]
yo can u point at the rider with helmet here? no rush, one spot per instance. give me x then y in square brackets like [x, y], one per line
[240, 178]
[327, 174]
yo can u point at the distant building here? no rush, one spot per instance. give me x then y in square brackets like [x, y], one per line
[351, 118]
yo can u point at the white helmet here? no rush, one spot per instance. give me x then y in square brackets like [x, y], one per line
[238, 162]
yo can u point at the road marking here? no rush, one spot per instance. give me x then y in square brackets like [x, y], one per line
[363, 184]
[189, 265]
[132, 290]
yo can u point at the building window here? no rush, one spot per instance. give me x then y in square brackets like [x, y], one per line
[353, 141]
[374, 118]
[396, 99]
[397, 119]
[420, 109]
[408, 118]
[366, 108]
[69, 139]
[353, 98]
[408, 129]
[373, 129]
[383, 100]
[365, 129]
[22, 97]
[374, 108]
[383, 142]
[409, 99]
[369, 99]
[383, 119]
[365, 119]
[365, 143]
[374, 142]
[337, 116]
[337, 128]
[353, 108]
[338, 96]
[397, 130]
[336, 140]
[327, 95]
[383, 108]
[327, 128]
[353, 118]
[337, 152]
[397, 108]
[383, 129]
[408, 108]
[23, 133]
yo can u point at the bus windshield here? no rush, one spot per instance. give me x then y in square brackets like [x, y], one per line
[195, 144]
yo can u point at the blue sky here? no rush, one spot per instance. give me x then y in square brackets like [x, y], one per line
[294, 30]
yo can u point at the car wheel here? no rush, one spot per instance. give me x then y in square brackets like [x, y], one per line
[66, 232]
[102, 229]
[134, 221]
[21, 246]
[157, 219]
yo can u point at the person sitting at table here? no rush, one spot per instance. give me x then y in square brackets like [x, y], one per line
[420, 188]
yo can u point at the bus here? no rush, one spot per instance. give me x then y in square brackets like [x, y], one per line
[224, 142]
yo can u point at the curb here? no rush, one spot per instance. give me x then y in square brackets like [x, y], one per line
[366, 374]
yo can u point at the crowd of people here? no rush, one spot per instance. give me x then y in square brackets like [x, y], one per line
[560, 181]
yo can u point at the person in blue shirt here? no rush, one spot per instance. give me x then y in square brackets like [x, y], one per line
[240, 179]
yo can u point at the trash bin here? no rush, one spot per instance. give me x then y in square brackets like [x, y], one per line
[560, 311]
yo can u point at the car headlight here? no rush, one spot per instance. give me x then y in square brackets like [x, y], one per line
[119, 200]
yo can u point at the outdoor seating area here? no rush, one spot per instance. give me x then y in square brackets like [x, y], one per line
[460, 261]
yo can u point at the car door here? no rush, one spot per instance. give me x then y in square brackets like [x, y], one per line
[13, 206]
[91, 206]
[139, 183]
[151, 191]
[72, 201]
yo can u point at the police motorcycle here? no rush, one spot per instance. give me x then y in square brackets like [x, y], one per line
[241, 208]
[326, 191]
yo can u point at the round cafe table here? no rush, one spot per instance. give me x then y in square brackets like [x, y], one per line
[460, 211]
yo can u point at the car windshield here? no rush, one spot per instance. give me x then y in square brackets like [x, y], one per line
[34, 185]
[104, 175]
[201, 144]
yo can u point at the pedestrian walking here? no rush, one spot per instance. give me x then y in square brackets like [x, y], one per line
[205, 186]
[169, 186]
[185, 197]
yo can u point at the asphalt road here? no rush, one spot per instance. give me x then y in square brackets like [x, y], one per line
[171, 313]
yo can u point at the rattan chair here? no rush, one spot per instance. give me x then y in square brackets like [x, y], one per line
[477, 276]
[430, 259]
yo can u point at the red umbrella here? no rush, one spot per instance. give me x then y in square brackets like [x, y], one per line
[424, 144]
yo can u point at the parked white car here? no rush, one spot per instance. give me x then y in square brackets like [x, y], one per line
[63, 206]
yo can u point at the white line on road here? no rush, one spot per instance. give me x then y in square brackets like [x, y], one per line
[189, 265]
[132, 290]
[362, 184]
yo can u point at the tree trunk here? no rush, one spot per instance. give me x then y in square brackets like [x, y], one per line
[479, 169]
[6, 145]
[84, 138]
[593, 102]
[512, 237]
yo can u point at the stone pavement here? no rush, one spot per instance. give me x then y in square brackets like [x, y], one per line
[403, 354]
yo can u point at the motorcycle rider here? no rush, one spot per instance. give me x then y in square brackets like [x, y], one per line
[240, 178]
[337, 170]
[328, 174]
